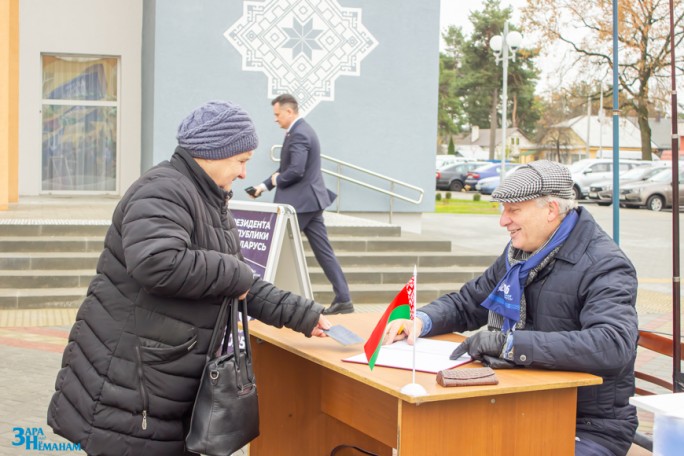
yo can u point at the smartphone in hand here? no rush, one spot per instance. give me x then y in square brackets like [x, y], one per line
[251, 191]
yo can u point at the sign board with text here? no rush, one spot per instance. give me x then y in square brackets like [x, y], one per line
[271, 244]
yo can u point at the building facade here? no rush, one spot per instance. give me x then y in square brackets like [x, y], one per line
[105, 83]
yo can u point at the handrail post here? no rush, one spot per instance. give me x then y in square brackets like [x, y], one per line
[339, 182]
[338, 174]
[391, 202]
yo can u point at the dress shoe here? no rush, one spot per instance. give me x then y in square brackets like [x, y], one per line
[339, 308]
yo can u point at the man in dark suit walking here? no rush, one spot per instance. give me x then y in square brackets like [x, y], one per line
[299, 183]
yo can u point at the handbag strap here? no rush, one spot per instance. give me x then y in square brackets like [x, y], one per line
[233, 330]
[243, 358]
[248, 345]
[219, 330]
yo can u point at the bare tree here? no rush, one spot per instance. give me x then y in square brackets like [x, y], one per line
[558, 142]
[586, 26]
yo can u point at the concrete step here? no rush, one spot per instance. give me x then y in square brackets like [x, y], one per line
[394, 276]
[51, 264]
[46, 278]
[383, 294]
[406, 260]
[32, 298]
[100, 227]
[51, 243]
[49, 260]
[57, 228]
[398, 276]
[85, 259]
[384, 244]
[364, 231]
[75, 243]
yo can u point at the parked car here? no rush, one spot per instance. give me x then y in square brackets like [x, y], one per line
[654, 193]
[602, 192]
[487, 185]
[444, 160]
[591, 170]
[488, 170]
[452, 177]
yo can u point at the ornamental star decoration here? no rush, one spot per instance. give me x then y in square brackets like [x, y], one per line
[301, 46]
[303, 38]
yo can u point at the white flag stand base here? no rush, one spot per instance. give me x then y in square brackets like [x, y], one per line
[413, 389]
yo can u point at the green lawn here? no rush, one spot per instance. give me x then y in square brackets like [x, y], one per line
[459, 206]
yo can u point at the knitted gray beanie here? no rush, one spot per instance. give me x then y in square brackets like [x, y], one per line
[217, 130]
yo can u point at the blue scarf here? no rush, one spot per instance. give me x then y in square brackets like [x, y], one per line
[505, 299]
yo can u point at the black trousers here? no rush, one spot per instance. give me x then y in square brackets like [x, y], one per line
[313, 226]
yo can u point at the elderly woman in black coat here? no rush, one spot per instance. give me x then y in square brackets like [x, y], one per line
[135, 354]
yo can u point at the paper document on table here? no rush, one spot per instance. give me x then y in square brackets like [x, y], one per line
[431, 356]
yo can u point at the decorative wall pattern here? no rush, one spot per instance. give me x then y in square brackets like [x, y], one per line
[302, 46]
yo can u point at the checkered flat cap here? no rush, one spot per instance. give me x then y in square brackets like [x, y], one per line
[534, 180]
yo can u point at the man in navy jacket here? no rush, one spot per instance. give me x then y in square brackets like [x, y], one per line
[299, 183]
[561, 296]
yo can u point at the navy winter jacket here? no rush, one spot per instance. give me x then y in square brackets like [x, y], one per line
[581, 316]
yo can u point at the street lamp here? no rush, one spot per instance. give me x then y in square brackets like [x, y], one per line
[503, 45]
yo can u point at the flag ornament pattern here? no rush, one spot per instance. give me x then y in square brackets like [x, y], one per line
[403, 306]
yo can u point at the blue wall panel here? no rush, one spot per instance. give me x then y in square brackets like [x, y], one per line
[383, 117]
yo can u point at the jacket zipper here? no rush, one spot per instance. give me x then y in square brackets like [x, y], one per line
[143, 392]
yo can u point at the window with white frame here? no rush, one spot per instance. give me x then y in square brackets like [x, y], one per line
[80, 123]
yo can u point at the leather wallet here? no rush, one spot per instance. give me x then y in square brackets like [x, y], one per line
[467, 377]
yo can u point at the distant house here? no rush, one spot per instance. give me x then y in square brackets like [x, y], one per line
[661, 132]
[475, 144]
[662, 135]
[588, 137]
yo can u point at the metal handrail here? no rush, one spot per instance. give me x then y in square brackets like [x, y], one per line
[340, 176]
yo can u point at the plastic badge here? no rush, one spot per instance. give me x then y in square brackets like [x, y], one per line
[343, 335]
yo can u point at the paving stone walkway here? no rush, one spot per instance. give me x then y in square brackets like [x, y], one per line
[32, 340]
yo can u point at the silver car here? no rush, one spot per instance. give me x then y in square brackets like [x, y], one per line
[591, 170]
[654, 193]
[602, 192]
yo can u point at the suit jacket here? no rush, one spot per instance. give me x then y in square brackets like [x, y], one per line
[300, 182]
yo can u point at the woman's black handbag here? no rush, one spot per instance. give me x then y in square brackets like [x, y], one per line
[226, 413]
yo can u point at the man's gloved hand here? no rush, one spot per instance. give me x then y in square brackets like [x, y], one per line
[497, 363]
[480, 344]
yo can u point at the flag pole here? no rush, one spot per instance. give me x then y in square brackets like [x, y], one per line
[413, 388]
[413, 318]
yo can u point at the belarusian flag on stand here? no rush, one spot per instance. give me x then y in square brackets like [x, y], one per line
[402, 306]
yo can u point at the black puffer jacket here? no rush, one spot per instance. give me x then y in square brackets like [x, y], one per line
[580, 317]
[135, 354]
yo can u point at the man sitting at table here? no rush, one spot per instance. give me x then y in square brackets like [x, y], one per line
[561, 296]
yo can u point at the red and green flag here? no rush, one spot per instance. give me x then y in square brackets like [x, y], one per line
[402, 306]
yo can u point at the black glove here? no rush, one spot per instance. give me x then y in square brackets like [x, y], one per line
[482, 343]
[497, 363]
